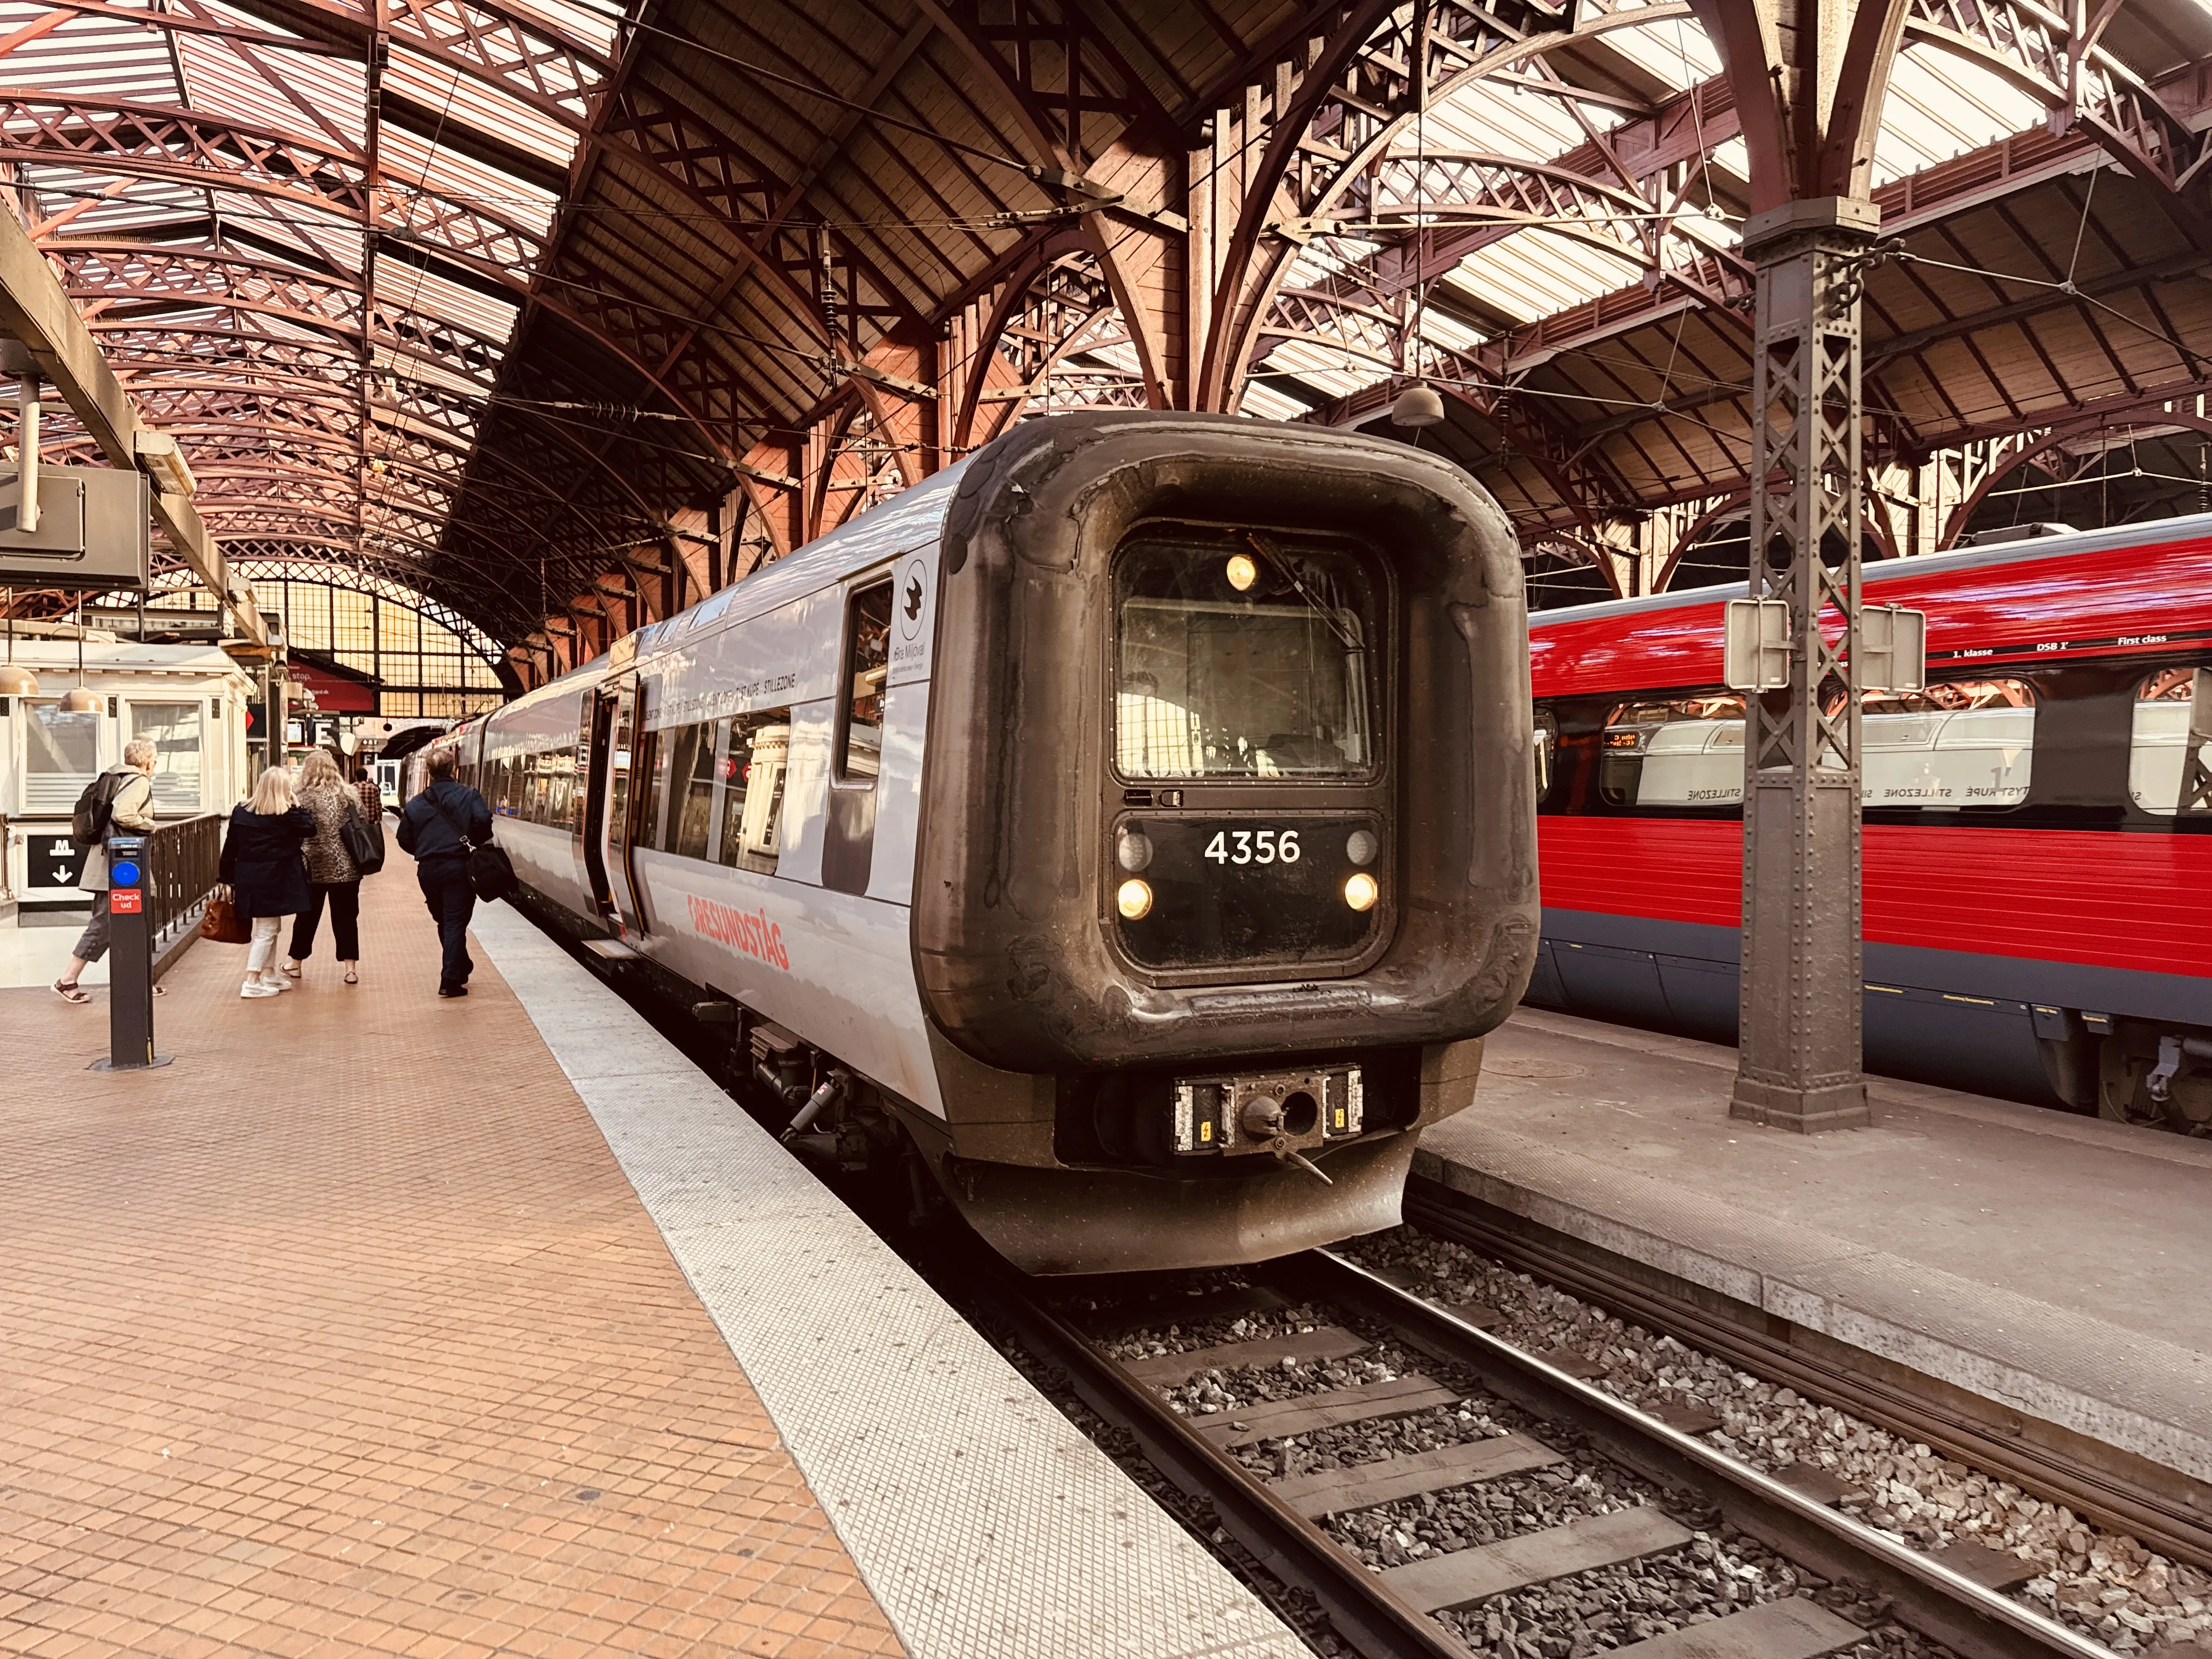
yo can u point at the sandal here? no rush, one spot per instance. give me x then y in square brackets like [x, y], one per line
[292, 967]
[352, 977]
[70, 991]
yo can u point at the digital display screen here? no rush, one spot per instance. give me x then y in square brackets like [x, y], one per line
[1228, 892]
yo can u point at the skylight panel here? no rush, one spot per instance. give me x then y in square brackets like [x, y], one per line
[1536, 273]
[1448, 332]
[470, 102]
[457, 178]
[226, 83]
[421, 372]
[87, 54]
[1504, 120]
[1264, 403]
[1677, 50]
[595, 26]
[1939, 106]
[413, 289]
[1327, 369]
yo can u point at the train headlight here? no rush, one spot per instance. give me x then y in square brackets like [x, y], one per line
[1360, 890]
[1241, 571]
[1134, 900]
[1133, 850]
[1361, 847]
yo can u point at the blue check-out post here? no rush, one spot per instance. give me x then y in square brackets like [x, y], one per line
[131, 961]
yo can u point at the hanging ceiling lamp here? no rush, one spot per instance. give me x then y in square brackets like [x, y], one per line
[80, 699]
[1417, 406]
[15, 681]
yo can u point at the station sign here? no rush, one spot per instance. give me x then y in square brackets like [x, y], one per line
[93, 534]
[52, 863]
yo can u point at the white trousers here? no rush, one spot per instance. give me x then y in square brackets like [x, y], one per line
[261, 954]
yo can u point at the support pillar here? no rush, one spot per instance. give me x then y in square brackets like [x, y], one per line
[1798, 1065]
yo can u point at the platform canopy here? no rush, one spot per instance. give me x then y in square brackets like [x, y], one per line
[563, 313]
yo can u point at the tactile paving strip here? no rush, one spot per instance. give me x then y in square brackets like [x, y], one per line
[985, 1524]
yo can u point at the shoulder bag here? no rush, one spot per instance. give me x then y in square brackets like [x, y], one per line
[364, 842]
[491, 872]
[223, 923]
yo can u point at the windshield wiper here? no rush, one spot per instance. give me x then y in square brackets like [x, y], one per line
[1266, 549]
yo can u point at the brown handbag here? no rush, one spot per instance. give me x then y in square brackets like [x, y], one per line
[223, 924]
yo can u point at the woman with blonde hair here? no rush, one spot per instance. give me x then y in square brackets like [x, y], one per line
[266, 876]
[332, 872]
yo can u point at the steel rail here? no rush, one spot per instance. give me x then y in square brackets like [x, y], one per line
[1974, 1622]
[1378, 1623]
[2177, 1524]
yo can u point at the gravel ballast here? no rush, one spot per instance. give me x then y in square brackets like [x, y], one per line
[2106, 1585]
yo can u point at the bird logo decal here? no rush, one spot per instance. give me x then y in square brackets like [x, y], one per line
[913, 595]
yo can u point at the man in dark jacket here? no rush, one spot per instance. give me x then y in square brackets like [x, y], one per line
[438, 826]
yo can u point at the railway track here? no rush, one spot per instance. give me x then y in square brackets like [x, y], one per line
[1436, 1358]
[2164, 1510]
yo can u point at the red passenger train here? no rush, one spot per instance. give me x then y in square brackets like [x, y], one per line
[2038, 858]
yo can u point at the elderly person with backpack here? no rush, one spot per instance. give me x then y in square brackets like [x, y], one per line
[265, 873]
[120, 799]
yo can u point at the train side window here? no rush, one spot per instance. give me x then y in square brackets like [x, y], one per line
[754, 756]
[1678, 751]
[2170, 745]
[1544, 751]
[1955, 745]
[868, 665]
[691, 812]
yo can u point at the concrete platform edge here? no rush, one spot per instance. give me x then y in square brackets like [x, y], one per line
[981, 1520]
[2005, 1385]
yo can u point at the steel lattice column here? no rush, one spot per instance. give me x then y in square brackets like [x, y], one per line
[1799, 1062]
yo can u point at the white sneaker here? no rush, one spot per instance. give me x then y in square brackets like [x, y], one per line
[273, 985]
[254, 987]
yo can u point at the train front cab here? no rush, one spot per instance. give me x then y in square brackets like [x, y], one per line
[1226, 859]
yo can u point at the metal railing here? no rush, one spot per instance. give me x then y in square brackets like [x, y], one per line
[184, 862]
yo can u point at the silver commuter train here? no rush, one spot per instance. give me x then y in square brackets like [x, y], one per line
[1133, 823]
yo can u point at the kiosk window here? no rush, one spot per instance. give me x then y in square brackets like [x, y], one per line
[61, 755]
[173, 729]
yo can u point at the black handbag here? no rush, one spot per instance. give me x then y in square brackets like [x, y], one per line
[491, 872]
[364, 844]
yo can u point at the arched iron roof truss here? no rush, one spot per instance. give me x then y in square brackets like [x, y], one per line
[563, 313]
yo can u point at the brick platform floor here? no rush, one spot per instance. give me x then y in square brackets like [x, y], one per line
[344, 1333]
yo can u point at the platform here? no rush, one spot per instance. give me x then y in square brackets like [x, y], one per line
[2050, 1263]
[348, 1332]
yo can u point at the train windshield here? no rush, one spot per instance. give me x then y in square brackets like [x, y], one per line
[1244, 659]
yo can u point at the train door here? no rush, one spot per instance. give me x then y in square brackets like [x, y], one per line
[591, 776]
[626, 782]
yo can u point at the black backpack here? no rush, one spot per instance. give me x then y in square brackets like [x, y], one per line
[94, 808]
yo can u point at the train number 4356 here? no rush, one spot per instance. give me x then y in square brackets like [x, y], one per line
[1253, 846]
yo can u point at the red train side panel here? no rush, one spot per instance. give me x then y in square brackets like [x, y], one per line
[2128, 902]
[2004, 604]
[1996, 952]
